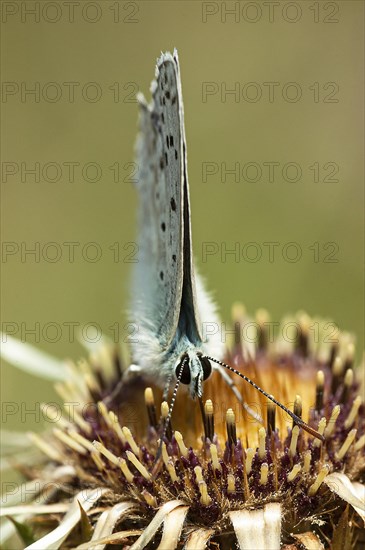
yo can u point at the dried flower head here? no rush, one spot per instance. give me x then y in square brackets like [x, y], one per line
[227, 475]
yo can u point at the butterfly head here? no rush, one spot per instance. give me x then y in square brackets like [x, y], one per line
[195, 370]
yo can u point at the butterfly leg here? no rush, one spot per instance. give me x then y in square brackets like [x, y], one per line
[131, 371]
[234, 389]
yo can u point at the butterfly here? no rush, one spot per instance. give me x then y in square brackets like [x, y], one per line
[170, 305]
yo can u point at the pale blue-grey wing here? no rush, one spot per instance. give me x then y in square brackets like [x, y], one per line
[158, 276]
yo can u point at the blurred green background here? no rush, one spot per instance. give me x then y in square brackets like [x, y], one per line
[321, 53]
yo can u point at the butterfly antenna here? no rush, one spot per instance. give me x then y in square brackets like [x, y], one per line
[168, 417]
[296, 418]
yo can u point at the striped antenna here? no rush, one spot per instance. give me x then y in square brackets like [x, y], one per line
[296, 418]
[168, 417]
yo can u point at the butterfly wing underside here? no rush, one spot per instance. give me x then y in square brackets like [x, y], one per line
[164, 269]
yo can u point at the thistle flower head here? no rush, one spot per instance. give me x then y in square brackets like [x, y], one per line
[227, 474]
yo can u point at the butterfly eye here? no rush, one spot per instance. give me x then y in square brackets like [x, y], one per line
[185, 375]
[207, 367]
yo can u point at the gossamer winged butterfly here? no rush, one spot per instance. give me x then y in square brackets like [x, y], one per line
[170, 304]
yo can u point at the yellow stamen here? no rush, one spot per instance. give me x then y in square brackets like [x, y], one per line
[95, 455]
[262, 437]
[165, 456]
[164, 409]
[82, 440]
[350, 351]
[79, 420]
[230, 416]
[320, 477]
[262, 316]
[209, 415]
[353, 413]
[198, 473]
[320, 378]
[74, 373]
[238, 311]
[126, 471]
[249, 458]
[231, 427]
[298, 406]
[150, 499]
[150, 405]
[264, 473]
[53, 415]
[238, 315]
[345, 447]
[104, 358]
[360, 443]
[117, 427]
[129, 437]
[148, 396]
[294, 472]
[49, 450]
[204, 497]
[307, 461]
[208, 407]
[71, 388]
[142, 470]
[349, 378]
[321, 427]
[171, 469]
[92, 383]
[332, 421]
[67, 440]
[104, 413]
[180, 442]
[231, 484]
[84, 367]
[108, 454]
[337, 367]
[214, 455]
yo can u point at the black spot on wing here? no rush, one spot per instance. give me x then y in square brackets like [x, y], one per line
[163, 226]
[161, 275]
[154, 117]
[173, 204]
